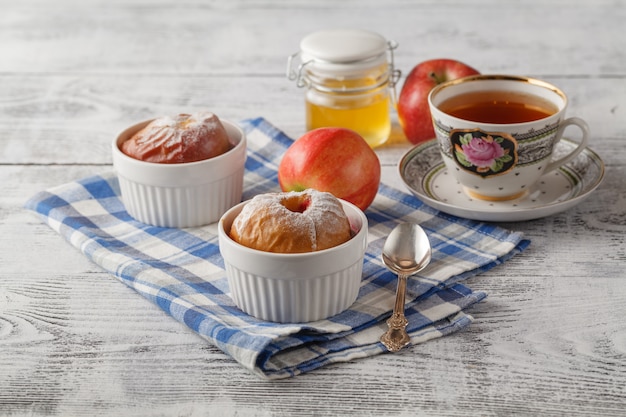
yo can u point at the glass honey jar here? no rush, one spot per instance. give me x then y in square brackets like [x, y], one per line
[349, 79]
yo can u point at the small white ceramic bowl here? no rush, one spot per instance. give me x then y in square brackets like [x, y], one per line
[181, 195]
[294, 287]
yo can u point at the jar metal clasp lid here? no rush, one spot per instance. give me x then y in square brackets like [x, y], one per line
[292, 74]
[298, 73]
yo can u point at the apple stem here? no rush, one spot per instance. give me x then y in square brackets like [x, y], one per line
[437, 80]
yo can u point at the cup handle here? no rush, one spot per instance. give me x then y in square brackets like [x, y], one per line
[581, 146]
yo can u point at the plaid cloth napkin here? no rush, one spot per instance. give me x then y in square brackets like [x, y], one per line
[181, 270]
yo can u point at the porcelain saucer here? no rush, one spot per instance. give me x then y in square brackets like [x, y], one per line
[426, 176]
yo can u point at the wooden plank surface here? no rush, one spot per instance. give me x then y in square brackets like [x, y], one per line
[549, 340]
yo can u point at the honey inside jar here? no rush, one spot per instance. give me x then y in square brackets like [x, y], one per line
[366, 112]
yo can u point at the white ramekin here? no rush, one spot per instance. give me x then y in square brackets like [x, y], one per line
[181, 195]
[294, 287]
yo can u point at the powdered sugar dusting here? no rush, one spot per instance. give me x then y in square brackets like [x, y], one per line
[323, 203]
[178, 139]
[323, 216]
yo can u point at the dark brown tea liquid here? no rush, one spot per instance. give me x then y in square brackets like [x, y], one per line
[499, 107]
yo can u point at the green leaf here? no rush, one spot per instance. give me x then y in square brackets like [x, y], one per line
[497, 166]
[466, 138]
[460, 156]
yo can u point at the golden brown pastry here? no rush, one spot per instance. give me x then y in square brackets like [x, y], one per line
[292, 222]
[179, 139]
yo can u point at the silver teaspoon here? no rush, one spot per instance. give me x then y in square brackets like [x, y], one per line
[406, 252]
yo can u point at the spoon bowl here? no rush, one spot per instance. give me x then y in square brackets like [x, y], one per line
[406, 251]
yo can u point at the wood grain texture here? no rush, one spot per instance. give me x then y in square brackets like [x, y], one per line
[550, 339]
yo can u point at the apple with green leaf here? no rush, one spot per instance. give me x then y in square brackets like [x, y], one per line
[413, 111]
[335, 160]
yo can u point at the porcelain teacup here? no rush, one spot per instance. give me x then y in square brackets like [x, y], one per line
[497, 133]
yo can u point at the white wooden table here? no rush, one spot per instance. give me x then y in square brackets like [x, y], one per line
[549, 340]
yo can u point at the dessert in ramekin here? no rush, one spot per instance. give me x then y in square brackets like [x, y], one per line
[294, 287]
[181, 194]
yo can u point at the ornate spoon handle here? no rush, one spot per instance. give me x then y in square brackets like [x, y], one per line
[396, 337]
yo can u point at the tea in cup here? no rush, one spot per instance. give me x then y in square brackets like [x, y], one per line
[497, 133]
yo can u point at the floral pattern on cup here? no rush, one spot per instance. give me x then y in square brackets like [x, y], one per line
[483, 153]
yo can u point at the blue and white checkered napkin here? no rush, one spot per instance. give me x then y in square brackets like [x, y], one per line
[183, 273]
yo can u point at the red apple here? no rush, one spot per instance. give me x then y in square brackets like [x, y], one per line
[335, 160]
[413, 111]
